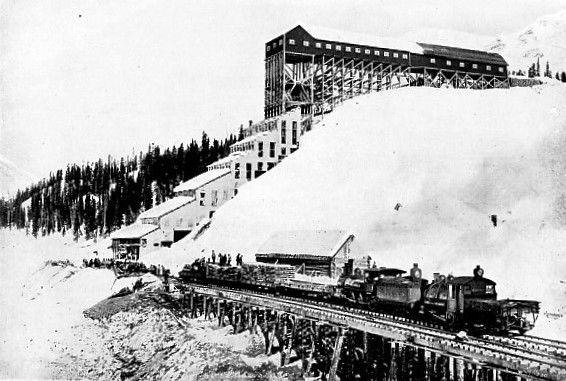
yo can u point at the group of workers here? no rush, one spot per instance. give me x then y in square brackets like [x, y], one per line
[223, 259]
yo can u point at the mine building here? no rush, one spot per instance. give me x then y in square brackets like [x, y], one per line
[312, 252]
[317, 68]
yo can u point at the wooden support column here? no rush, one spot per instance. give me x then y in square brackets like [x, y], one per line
[219, 312]
[458, 369]
[313, 329]
[272, 336]
[204, 311]
[192, 303]
[336, 355]
[290, 341]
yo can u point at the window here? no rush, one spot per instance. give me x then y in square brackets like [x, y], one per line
[395, 55]
[386, 54]
[283, 151]
[488, 67]
[237, 170]
[270, 165]
[202, 194]
[348, 49]
[318, 45]
[306, 43]
[432, 60]
[448, 63]
[280, 42]
[339, 47]
[235, 191]
[474, 66]
[248, 171]
[358, 50]
[260, 149]
[260, 166]
[294, 136]
[291, 41]
[367, 51]
[501, 70]
[225, 195]
[376, 52]
[271, 149]
[328, 46]
[405, 56]
[462, 64]
[214, 198]
[268, 48]
[283, 135]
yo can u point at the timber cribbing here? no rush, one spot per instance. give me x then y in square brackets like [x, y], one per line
[527, 357]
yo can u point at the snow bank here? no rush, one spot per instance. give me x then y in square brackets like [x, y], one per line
[451, 158]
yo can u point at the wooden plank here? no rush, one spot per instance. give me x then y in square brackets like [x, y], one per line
[272, 336]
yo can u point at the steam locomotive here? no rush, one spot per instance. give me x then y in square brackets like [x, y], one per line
[456, 303]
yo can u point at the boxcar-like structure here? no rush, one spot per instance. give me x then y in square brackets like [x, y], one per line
[316, 68]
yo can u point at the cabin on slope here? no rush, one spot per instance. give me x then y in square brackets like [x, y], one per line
[312, 252]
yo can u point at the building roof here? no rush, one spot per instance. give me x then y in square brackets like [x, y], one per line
[228, 159]
[166, 207]
[201, 180]
[136, 230]
[462, 54]
[329, 34]
[304, 243]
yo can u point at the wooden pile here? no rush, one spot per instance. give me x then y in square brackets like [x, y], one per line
[253, 273]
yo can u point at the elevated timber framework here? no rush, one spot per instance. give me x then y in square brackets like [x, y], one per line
[320, 70]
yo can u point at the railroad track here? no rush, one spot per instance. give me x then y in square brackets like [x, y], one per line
[532, 357]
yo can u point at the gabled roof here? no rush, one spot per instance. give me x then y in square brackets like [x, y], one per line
[202, 179]
[329, 34]
[462, 54]
[136, 230]
[166, 207]
[304, 243]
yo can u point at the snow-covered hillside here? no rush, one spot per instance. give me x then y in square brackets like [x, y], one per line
[544, 39]
[452, 158]
[12, 177]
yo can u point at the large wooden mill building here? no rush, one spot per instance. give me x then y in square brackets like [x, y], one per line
[317, 68]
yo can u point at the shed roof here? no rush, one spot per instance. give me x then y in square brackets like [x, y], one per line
[202, 179]
[330, 34]
[304, 243]
[462, 54]
[469, 279]
[136, 230]
[166, 207]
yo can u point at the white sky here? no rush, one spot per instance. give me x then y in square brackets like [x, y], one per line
[83, 79]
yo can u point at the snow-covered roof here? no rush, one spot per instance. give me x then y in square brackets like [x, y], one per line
[329, 34]
[228, 159]
[251, 138]
[202, 179]
[136, 230]
[320, 243]
[166, 207]
[463, 54]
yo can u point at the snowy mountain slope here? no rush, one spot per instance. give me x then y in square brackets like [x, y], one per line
[12, 177]
[491, 152]
[544, 39]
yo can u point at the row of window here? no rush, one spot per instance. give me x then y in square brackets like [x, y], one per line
[463, 64]
[348, 49]
[293, 132]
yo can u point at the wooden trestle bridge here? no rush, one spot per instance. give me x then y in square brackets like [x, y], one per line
[346, 344]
